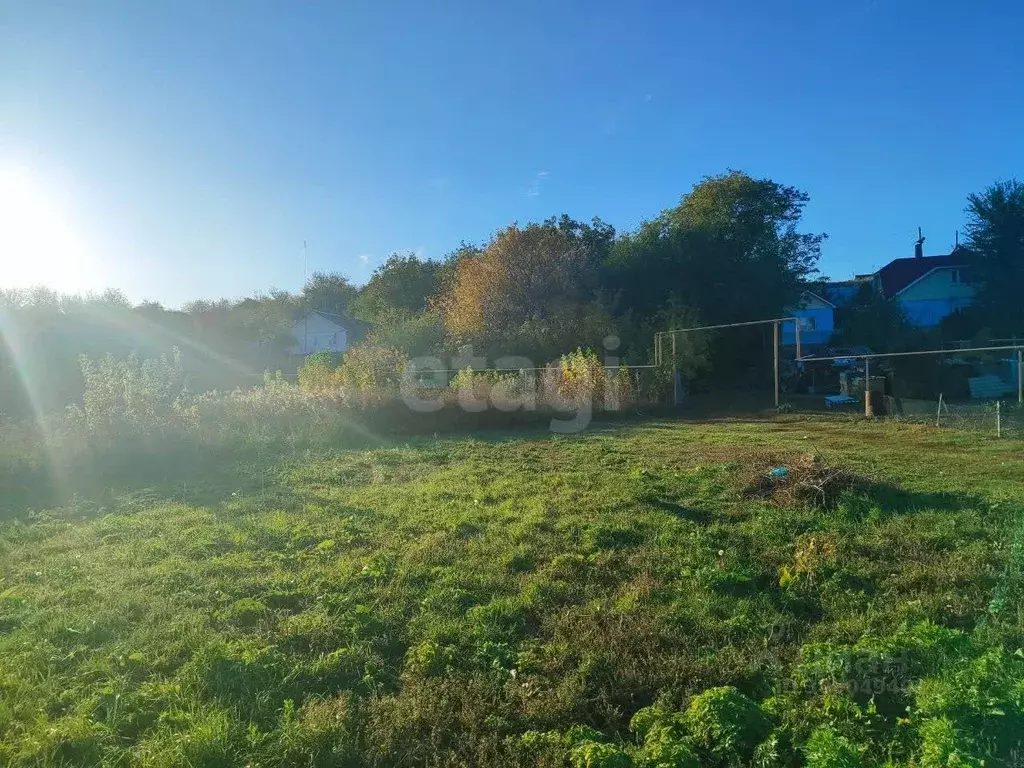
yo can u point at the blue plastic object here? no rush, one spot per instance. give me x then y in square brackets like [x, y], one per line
[779, 472]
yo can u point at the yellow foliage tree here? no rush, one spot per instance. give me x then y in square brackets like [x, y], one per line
[537, 276]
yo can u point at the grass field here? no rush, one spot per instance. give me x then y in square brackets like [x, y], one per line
[518, 599]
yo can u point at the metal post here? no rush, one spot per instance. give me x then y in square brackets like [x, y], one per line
[999, 425]
[869, 410]
[775, 344]
[305, 319]
[1020, 377]
[938, 411]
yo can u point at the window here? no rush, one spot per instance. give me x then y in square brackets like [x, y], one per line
[962, 275]
[809, 324]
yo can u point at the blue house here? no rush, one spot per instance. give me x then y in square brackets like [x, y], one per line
[816, 311]
[816, 315]
[928, 288]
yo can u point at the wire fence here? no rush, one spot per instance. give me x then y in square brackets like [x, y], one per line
[1000, 418]
[978, 389]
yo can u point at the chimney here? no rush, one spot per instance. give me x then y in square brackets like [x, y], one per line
[919, 245]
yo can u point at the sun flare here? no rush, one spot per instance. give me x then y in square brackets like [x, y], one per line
[40, 243]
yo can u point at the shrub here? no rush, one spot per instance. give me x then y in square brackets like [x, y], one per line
[319, 375]
[583, 377]
[725, 724]
[975, 707]
[646, 720]
[500, 388]
[372, 374]
[665, 744]
[277, 412]
[132, 395]
[944, 746]
[664, 739]
[827, 749]
[593, 754]
[667, 754]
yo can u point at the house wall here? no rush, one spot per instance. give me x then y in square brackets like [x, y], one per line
[318, 334]
[937, 285]
[929, 312]
[935, 296]
[816, 326]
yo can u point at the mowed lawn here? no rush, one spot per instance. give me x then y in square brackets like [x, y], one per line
[430, 603]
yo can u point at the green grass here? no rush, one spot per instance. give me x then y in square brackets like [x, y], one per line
[518, 599]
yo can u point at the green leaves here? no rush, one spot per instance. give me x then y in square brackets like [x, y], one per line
[995, 251]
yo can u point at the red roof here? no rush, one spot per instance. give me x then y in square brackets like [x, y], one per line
[899, 273]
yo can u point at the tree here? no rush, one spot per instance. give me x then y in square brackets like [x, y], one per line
[420, 333]
[530, 291]
[995, 248]
[266, 319]
[874, 321]
[731, 249]
[329, 292]
[404, 282]
[597, 237]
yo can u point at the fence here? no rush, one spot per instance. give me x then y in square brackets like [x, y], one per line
[1000, 418]
[610, 387]
[980, 388]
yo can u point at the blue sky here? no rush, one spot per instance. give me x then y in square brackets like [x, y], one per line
[186, 149]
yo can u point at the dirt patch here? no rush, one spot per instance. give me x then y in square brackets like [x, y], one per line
[798, 480]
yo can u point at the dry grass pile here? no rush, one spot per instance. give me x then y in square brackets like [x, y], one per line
[808, 480]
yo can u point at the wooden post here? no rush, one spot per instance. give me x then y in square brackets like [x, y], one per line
[869, 410]
[775, 344]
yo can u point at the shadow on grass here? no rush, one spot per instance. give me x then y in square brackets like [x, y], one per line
[693, 514]
[893, 499]
[192, 473]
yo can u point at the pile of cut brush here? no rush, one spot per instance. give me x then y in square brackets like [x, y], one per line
[795, 480]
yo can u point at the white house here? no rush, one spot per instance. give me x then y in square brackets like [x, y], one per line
[319, 332]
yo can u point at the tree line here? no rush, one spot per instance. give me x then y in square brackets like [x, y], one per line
[732, 249]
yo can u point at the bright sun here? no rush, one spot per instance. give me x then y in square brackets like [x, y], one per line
[39, 242]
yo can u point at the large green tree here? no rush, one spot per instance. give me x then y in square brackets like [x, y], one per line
[404, 282]
[732, 249]
[995, 243]
[329, 292]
